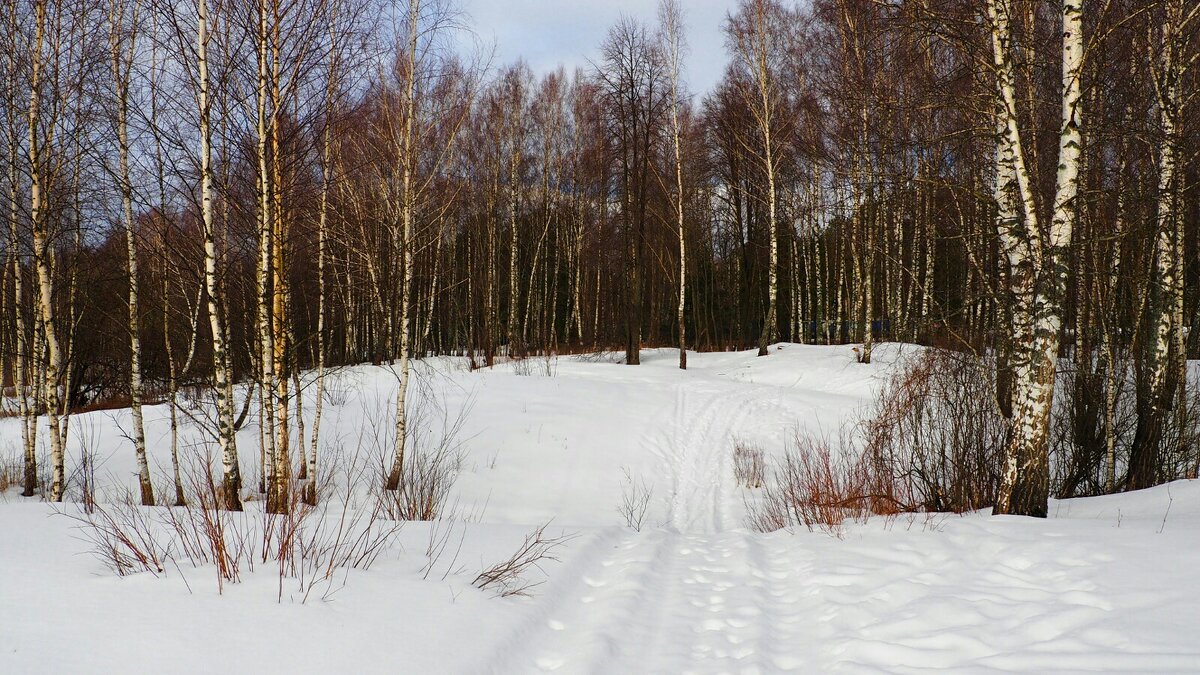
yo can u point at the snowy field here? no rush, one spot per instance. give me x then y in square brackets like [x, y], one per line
[1105, 584]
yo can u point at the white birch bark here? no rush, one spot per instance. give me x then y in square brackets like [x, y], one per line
[670, 16]
[231, 482]
[22, 359]
[1037, 263]
[42, 253]
[408, 245]
[123, 20]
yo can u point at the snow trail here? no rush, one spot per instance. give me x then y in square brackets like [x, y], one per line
[670, 602]
[691, 596]
[694, 446]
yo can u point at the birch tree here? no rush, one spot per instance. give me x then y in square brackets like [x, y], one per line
[231, 482]
[23, 365]
[1166, 358]
[123, 20]
[432, 93]
[40, 145]
[1036, 257]
[753, 32]
[670, 17]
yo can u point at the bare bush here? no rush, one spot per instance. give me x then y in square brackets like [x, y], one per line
[337, 388]
[82, 480]
[545, 365]
[635, 500]
[510, 576]
[432, 459]
[123, 537]
[1099, 408]
[936, 428]
[1181, 456]
[305, 545]
[1081, 426]
[438, 545]
[749, 465]
[12, 471]
[815, 488]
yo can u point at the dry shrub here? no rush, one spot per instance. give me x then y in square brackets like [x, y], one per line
[337, 387]
[124, 537]
[438, 546]
[433, 458]
[749, 466]
[937, 430]
[306, 545]
[510, 576]
[635, 500]
[81, 482]
[1081, 430]
[12, 471]
[819, 489]
[545, 365]
[1180, 455]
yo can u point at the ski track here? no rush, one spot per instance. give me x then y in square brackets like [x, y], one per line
[690, 596]
[669, 602]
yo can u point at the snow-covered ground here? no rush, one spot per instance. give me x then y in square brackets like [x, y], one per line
[1105, 584]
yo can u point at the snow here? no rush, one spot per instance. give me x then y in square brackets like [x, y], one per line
[1104, 584]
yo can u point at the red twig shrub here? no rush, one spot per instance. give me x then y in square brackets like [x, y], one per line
[936, 428]
[510, 576]
[819, 489]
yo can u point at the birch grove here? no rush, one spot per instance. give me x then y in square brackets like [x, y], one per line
[214, 205]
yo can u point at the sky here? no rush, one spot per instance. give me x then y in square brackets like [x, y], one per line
[569, 32]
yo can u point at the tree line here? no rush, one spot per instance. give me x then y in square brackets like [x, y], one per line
[217, 192]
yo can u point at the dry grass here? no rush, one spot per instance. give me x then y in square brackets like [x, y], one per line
[305, 546]
[433, 458]
[12, 471]
[931, 443]
[749, 465]
[635, 500]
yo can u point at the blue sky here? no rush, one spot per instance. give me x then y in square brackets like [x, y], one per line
[549, 32]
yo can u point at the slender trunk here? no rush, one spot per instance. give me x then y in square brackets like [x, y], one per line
[22, 359]
[42, 257]
[231, 481]
[407, 207]
[121, 69]
[310, 494]
[1165, 294]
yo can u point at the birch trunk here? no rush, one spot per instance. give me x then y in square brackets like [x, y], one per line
[1037, 264]
[231, 481]
[310, 494]
[407, 207]
[122, 45]
[1166, 289]
[670, 16]
[42, 255]
[21, 360]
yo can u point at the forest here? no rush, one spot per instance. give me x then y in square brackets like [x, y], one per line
[209, 194]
